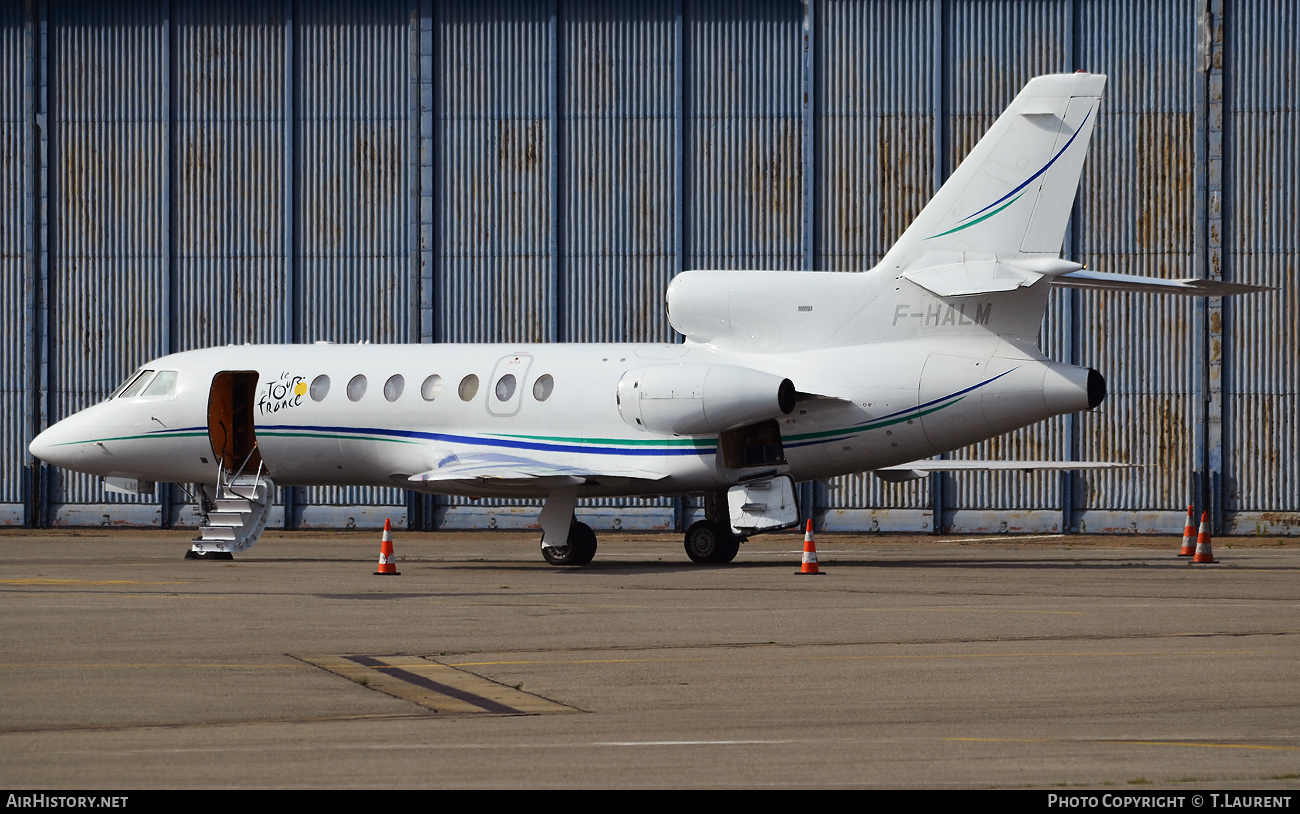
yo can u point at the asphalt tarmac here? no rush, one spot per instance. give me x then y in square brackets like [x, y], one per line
[1049, 663]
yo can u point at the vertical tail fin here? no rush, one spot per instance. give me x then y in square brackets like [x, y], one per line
[1011, 197]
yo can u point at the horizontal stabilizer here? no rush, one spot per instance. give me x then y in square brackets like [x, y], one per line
[919, 469]
[952, 274]
[1103, 281]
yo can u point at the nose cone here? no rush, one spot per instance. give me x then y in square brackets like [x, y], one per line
[63, 444]
[41, 447]
[49, 447]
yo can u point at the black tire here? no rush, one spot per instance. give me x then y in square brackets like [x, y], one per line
[209, 555]
[729, 548]
[710, 542]
[578, 549]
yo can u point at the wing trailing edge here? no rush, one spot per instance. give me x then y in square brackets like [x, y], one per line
[498, 469]
[920, 469]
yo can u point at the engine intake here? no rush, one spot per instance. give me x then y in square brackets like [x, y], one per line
[693, 399]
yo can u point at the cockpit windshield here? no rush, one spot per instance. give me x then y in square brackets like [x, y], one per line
[146, 384]
[133, 385]
[164, 384]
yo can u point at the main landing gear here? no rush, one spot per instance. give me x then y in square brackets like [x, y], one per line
[578, 548]
[557, 522]
[711, 540]
[708, 541]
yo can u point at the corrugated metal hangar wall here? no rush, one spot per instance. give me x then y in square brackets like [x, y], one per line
[181, 174]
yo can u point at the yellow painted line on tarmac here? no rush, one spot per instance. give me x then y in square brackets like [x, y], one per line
[146, 665]
[976, 610]
[1203, 744]
[45, 581]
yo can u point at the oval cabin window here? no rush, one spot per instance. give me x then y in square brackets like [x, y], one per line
[542, 387]
[431, 388]
[394, 386]
[320, 387]
[357, 387]
[505, 387]
[468, 387]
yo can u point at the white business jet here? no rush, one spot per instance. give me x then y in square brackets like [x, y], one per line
[783, 377]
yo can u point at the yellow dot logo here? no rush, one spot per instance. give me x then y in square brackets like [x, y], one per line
[300, 388]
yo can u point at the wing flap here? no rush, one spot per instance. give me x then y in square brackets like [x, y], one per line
[501, 469]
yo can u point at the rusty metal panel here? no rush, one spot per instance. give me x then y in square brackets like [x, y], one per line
[580, 153]
[107, 259]
[875, 171]
[874, 127]
[618, 193]
[351, 102]
[744, 139]
[493, 176]
[353, 280]
[1136, 216]
[16, 205]
[228, 179]
[492, 171]
[1261, 219]
[994, 49]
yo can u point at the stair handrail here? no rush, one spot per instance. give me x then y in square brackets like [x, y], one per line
[247, 458]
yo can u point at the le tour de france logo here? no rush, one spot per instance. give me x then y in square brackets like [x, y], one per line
[281, 394]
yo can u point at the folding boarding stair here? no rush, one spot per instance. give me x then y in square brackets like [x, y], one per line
[234, 514]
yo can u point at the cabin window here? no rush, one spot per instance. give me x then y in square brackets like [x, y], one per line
[164, 384]
[505, 387]
[394, 386]
[137, 384]
[542, 387]
[320, 387]
[357, 387]
[431, 388]
[468, 387]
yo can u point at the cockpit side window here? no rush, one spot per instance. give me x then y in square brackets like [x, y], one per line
[164, 384]
[133, 387]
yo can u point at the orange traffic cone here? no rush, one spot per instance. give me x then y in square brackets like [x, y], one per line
[386, 562]
[809, 553]
[1203, 552]
[1189, 536]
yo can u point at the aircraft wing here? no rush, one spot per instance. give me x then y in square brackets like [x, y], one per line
[494, 468]
[919, 469]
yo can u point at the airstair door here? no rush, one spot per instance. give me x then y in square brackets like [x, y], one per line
[230, 420]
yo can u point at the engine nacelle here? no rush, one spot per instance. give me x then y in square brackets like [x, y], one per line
[693, 399]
